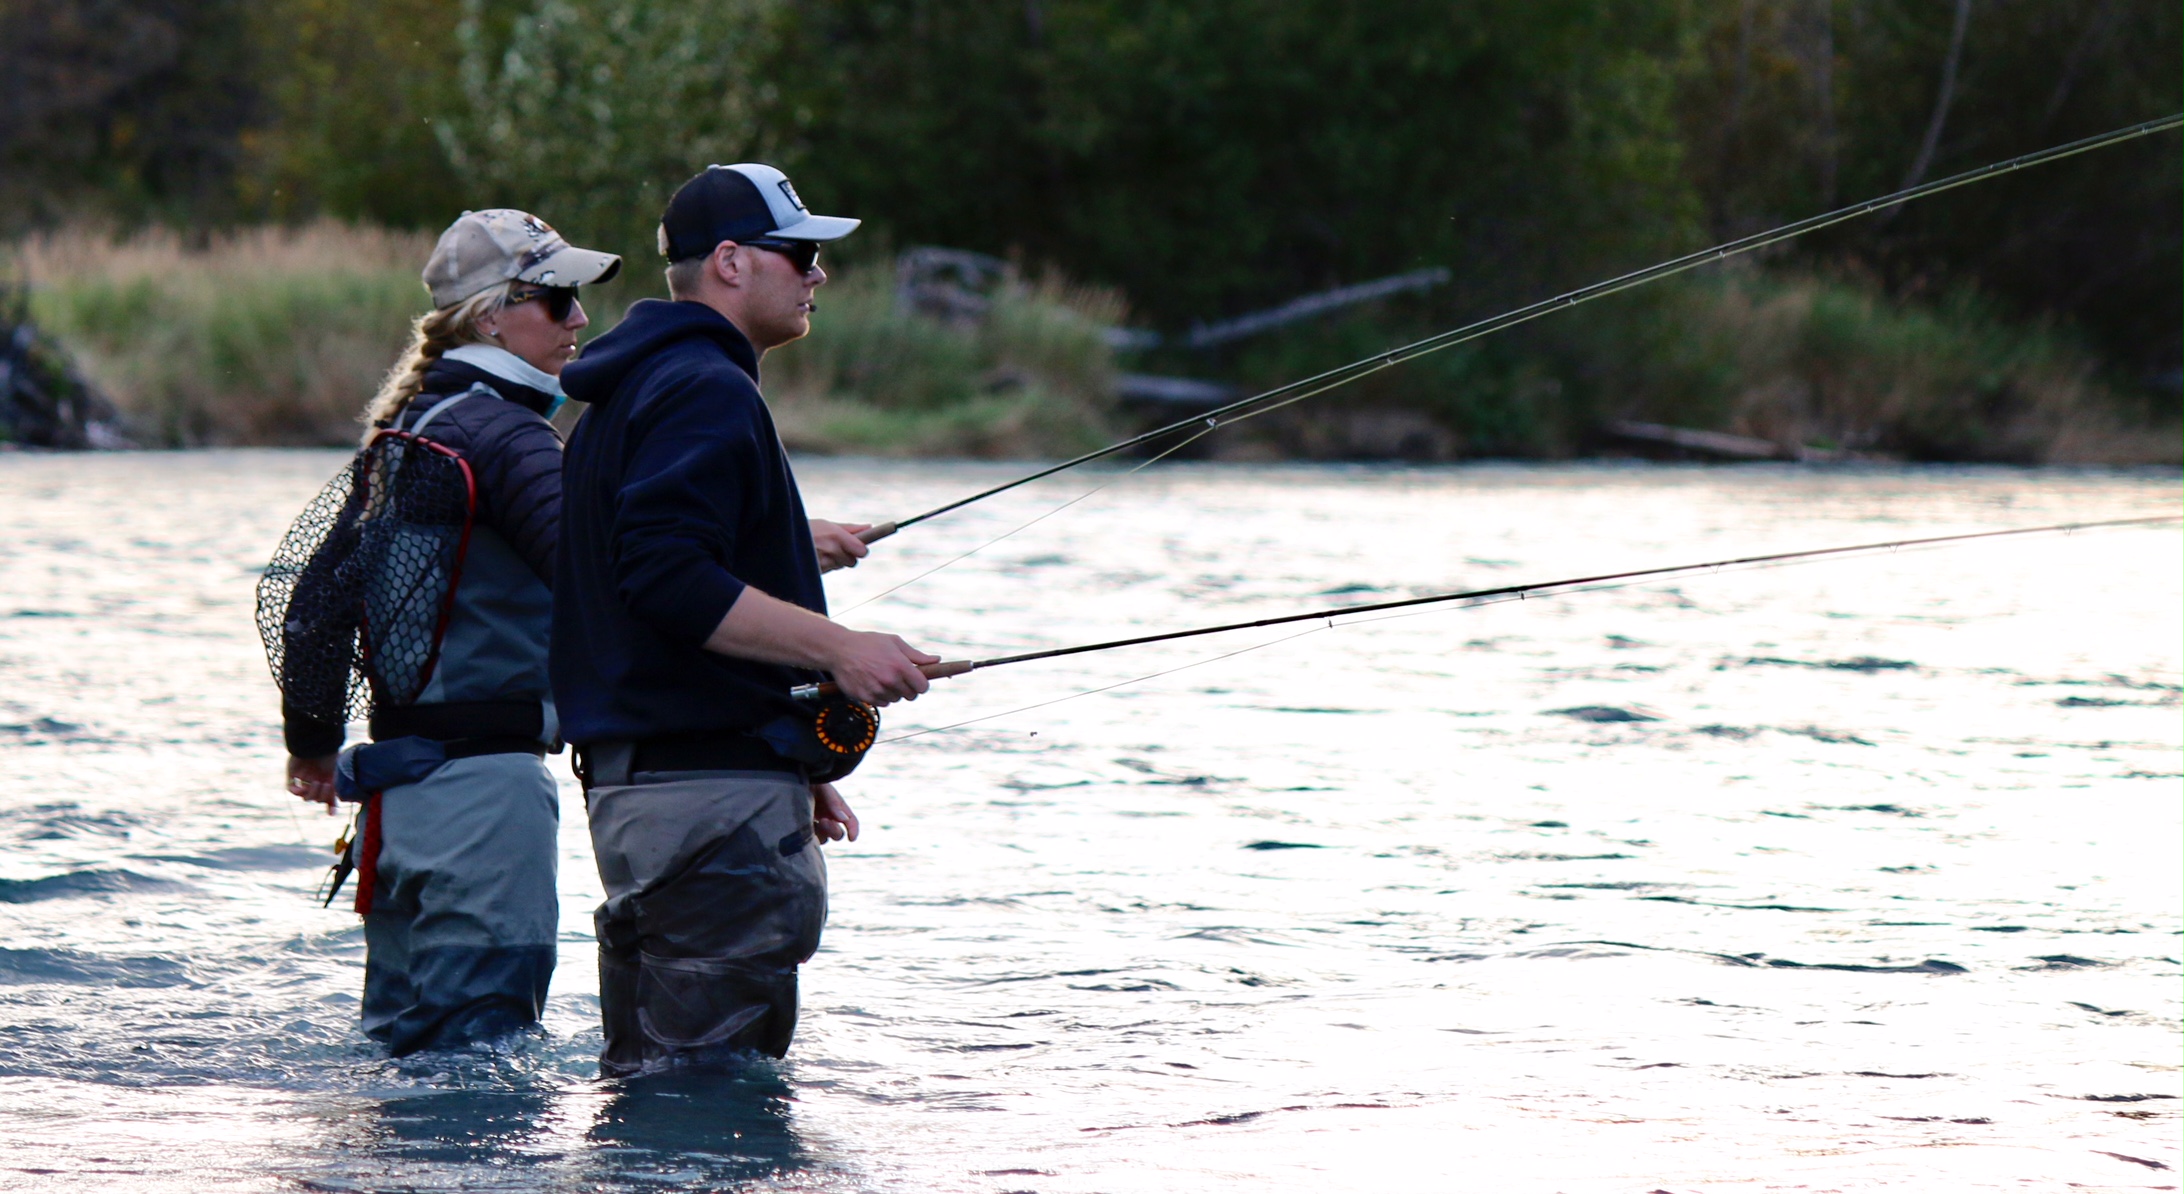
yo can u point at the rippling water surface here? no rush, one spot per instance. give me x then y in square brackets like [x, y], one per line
[1851, 875]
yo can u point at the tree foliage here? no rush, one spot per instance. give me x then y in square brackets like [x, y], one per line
[1204, 157]
[591, 113]
[1792, 106]
[139, 104]
[1209, 157]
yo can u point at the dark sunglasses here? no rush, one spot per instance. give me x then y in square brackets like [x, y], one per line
[560, 300]
[803, 254]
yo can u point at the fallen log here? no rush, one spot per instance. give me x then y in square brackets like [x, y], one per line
[1719, 444]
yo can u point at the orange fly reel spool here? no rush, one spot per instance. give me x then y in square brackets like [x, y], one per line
[829, 738]
[846, 728]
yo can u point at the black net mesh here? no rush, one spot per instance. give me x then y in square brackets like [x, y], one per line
[353, 604]
[308, 611]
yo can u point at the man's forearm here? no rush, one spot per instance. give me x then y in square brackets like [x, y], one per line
[769, 630]
[877, 668]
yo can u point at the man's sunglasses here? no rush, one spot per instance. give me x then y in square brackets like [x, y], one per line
[803, 254]
[560, 300]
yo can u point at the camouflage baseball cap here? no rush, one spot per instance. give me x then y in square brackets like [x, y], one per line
[483, 249]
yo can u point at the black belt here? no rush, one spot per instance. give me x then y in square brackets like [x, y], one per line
[613, 763]
[470, 748]
[450, 721]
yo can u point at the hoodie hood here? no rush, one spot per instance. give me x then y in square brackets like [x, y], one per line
[649, 326]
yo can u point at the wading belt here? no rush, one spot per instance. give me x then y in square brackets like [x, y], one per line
[613, 763]
[408, 744]
[452, 721]
[471, 748]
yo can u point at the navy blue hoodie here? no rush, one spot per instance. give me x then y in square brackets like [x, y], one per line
[676, 494]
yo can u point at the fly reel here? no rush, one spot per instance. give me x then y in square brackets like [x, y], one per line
[846, 729]
[829, 739]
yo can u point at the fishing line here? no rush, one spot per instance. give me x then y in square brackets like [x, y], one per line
[951, 562]
[1165, 452]
[1618, 586]
[1272, 642]
[1504, 592]
[1331, 624]
[1280, 396]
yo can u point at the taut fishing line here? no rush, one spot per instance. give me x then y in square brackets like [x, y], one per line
[1497, 597]
[1320, 383]
[1763, 565]
[1210, 425]
[1181, 667]
[1178, 446]
[1328, 625]
[1488, 596]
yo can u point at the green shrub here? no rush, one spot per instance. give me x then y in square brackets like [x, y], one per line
[1833, 362]
[1797, 359]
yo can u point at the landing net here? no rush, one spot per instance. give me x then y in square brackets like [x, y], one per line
[356, 599]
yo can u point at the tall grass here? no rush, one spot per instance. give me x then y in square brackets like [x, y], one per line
[278, 336]
[270, 336]
[1033, 378]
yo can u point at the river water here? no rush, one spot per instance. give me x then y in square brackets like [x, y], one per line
[1845, 876]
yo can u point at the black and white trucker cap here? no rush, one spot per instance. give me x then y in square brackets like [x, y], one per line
[737, 203]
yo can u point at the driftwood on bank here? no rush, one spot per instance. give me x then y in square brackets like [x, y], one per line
[1296, 310]
[1716, 444]
[956, 286]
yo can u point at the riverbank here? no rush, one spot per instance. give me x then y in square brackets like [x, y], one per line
[275, 336]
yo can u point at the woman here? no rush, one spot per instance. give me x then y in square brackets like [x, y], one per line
[456, 858]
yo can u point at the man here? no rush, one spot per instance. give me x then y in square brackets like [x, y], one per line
[688, 602]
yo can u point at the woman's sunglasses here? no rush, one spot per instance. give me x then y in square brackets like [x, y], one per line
[560, 300]
[803, 254]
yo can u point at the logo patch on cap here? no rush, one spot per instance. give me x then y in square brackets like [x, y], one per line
[540, 252]
[790, 191]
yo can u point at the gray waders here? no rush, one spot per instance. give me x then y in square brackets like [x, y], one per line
[460, 932]
[716, 893]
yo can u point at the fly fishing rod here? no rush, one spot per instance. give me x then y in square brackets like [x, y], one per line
[944, 669]
[1297, 391]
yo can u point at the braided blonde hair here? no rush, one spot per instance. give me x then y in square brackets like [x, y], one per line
[431, 336]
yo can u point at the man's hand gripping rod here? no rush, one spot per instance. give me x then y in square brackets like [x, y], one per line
[933, 671]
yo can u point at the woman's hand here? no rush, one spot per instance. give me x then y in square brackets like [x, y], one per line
[831, 819]
[313, 779]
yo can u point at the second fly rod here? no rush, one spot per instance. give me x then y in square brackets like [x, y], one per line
[957, 667]
[1319, 383]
